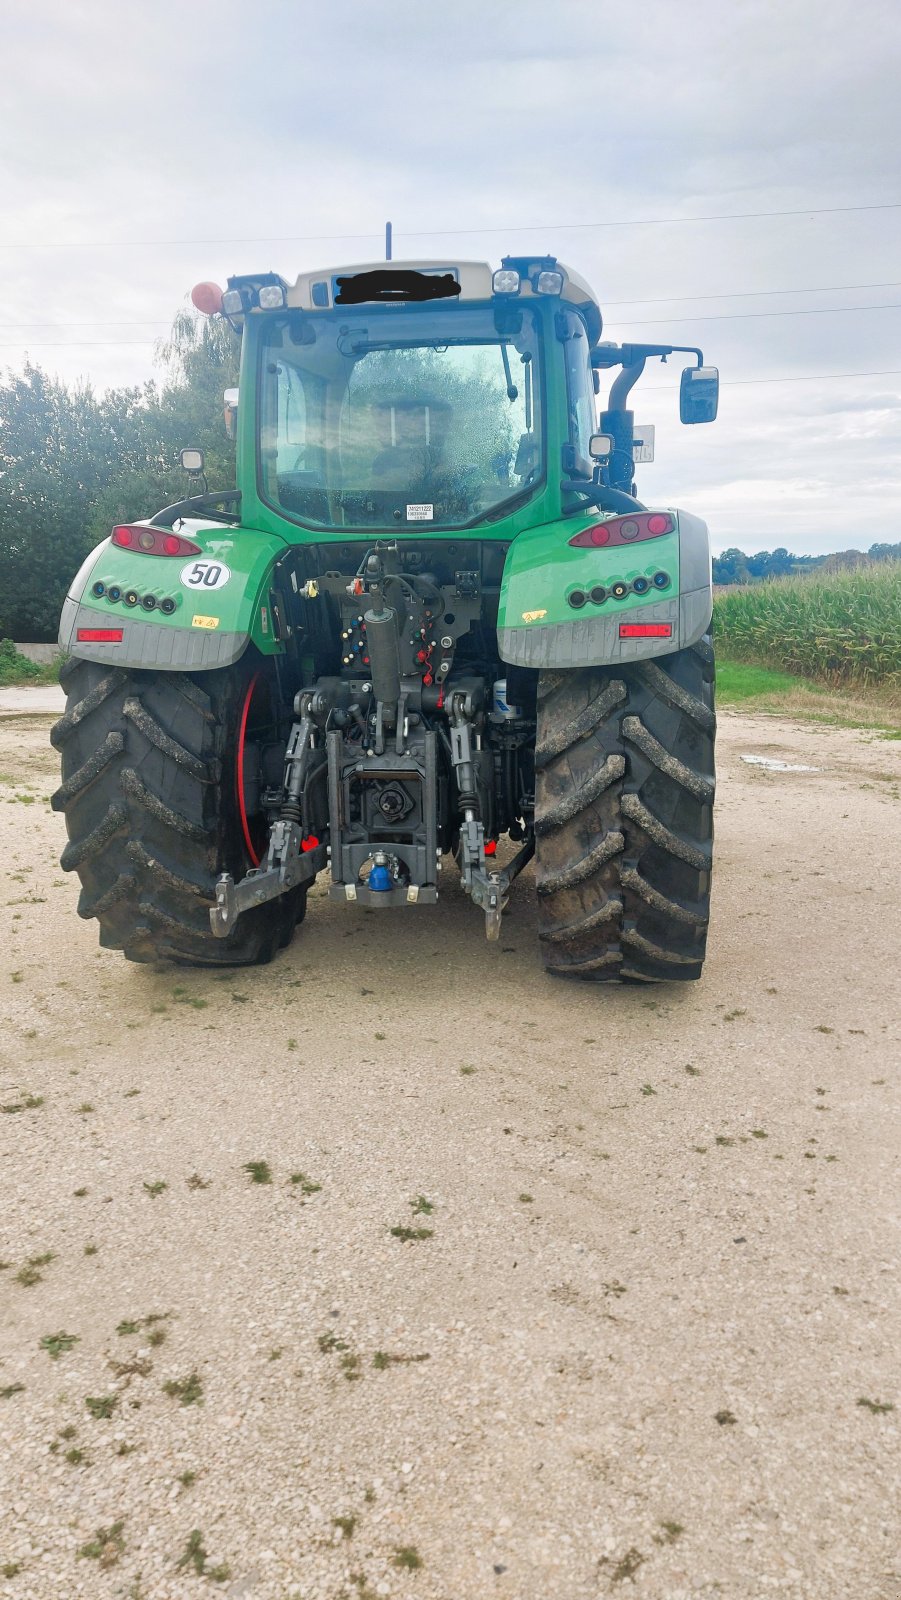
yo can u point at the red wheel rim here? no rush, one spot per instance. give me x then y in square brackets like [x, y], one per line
[242, 802]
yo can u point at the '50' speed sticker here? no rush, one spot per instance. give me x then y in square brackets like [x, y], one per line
[205, 575]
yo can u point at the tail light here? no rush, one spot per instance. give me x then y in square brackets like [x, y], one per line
[624, 530]
[152, 541]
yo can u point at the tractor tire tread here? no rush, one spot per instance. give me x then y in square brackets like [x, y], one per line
[144, 790]
[623, 818]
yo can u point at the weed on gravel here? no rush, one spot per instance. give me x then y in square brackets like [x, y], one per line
[346, 1525]
[627, 1565]
[409, 1235]
[194, 1555]
[877, 1407]
[670, 1532]
[106, 1546]
[407, 1556]
[384, 1359]
[11, 1389]
[102, 1406]
[56, 1344]
[188, 1390]
[260, 1171]
[306, 1184]
[153, 1189]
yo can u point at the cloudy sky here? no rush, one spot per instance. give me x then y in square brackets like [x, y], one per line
[145, 147]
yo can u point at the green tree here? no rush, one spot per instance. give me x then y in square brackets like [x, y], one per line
[731, 567]
[73, 464]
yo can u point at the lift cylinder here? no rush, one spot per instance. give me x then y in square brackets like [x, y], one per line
[384, 656]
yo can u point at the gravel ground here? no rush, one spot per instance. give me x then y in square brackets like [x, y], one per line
[647, 1339]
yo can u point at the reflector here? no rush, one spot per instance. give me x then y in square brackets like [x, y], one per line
[645, 630]
[100, 635]
[153, 541]
[207, 297]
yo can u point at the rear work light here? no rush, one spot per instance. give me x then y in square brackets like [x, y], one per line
[100, 635]
[646, 630]
[624, 530]
[152, 541]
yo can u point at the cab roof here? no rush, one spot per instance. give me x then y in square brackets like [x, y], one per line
[315, 291]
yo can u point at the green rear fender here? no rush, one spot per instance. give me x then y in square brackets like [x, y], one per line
[222, 599]
[539, 625]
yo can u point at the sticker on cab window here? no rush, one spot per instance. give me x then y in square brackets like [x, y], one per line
[205, 574]
[420, 513]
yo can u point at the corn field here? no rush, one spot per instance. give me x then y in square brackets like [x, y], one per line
[842, 628]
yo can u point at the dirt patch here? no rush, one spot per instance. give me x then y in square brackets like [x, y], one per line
[646, 1337]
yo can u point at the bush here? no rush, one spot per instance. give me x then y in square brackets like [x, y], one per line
[17, 669]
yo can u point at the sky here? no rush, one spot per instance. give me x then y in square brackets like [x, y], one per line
[146, 147]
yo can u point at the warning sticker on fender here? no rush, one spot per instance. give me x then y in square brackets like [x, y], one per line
[420, 513]
[204, 622]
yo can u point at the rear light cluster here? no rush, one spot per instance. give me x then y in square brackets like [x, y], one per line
[598, 594]
[152, 541]
[624, 530]
[131, 597]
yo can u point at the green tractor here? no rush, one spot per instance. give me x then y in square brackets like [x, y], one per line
[433, 618]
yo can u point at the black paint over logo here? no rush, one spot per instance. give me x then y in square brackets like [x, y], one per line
[387, 286]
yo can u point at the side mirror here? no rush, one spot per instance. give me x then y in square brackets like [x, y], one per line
[600, 445]
[699, 394]
[192, 461]
[230, 405]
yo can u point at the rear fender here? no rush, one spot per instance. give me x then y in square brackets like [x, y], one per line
[211, 624]
[539, 627]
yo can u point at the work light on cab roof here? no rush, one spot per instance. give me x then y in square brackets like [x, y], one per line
[431, 624]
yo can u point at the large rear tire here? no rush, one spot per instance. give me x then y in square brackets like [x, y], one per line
[624, 817]
[150, 796]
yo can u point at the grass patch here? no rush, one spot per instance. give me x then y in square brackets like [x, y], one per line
[17, 670]
[754, 687]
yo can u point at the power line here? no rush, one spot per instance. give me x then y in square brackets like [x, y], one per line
[650, 300]
[743, 316]
[805, 377]
[733, 294]
[458, 233]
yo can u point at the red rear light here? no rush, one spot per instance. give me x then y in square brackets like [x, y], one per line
[645, 630]
[100, 635]
[624, 530]
[153, 541]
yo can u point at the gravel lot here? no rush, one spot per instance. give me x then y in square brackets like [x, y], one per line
[647, 1342]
